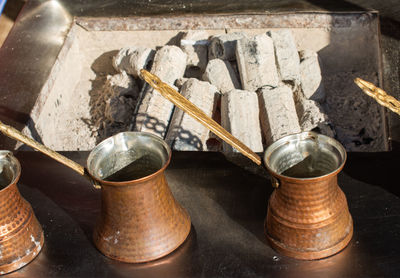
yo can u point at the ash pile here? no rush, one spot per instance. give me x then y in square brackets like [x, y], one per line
[260, 88]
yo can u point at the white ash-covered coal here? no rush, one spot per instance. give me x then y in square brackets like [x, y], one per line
[154, 111]
[260, 87]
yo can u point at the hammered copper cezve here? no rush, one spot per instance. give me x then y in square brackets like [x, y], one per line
[21, 236]
[308, 216]
[140, 219]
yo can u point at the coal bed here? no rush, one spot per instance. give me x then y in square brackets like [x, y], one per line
[90, 96]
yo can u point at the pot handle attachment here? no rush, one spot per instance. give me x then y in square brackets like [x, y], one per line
[17, 135]
[275, 182]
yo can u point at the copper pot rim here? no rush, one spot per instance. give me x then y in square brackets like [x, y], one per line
[135, 181]
[18, 172]
[306, 134]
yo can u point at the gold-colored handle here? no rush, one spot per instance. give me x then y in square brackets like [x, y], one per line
[181, 102]
[17, 135]
[379, 95]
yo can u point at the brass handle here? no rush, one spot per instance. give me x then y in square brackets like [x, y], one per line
[181, 102]
[379, 95]
[17, 135]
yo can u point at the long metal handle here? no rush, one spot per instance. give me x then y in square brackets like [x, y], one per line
[17, 135]
[379, 95]
[181, 102]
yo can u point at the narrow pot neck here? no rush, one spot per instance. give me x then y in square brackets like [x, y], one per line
[10, 192]
[308, 190]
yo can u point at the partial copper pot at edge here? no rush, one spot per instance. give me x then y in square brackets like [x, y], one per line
[308, 216]
[21, 236]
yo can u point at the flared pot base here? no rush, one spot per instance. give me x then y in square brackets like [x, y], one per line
[310, 255]
[21, 262]
[145, 240]
[135, 258]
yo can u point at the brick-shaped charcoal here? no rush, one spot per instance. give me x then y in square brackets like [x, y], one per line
[224, 46]
[287, 57]
[256, 62]
[221, 74]
[195, 45]
[278, 115]
[155, 111]
[240, 116]
[133, 59]
[184, 132]
[312, 116]
[169, 63]
[310, 76]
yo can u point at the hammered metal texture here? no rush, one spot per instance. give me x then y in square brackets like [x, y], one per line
[308, 218]
[21, 236]
[140, 222]
[308, 226]
[140, 219]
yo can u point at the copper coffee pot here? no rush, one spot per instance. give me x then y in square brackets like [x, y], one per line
[21, 236]
[140, 219]
[307, 217]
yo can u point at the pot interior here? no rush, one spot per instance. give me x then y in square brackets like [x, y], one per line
[128, 156]
[305, 155]
[9, 169]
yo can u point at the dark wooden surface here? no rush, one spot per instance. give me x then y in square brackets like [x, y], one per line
[227, 206]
